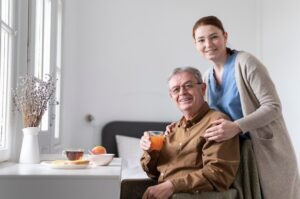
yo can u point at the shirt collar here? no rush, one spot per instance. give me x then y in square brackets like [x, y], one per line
[189, 123]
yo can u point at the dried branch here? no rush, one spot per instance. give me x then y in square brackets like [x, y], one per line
[32, 96]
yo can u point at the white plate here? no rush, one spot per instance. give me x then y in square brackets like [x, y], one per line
[64, 166]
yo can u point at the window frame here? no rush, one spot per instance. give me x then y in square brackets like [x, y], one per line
[50, 139]
[6, 149]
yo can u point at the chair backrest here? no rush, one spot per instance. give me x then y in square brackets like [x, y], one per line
[126, 128]
[247, 178]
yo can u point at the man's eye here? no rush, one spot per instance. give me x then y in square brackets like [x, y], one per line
[188, 86]
[200, 40]
[175, 90]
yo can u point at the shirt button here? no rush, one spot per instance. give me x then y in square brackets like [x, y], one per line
[180, 144]
[162, 174]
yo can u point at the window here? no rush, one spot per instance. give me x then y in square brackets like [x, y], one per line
[46, 55]
[41, 26]
[42, 46]
[7, 38]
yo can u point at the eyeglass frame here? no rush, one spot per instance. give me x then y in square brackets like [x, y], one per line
[186, 86]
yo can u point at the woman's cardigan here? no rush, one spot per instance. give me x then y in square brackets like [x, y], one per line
[275, 156]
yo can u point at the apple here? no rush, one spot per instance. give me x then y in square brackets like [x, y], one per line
[98, 150]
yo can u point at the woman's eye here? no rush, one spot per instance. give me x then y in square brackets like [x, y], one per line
[214, 37]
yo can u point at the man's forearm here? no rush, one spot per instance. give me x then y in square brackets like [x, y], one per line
[149, 163]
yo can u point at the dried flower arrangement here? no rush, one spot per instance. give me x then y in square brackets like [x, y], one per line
[32, 96]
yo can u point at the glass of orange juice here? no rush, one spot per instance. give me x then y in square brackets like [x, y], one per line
[157, 139]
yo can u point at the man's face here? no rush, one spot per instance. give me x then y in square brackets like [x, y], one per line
[187, 93]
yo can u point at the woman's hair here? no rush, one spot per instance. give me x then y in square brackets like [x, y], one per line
[195, 72]
[208, 20]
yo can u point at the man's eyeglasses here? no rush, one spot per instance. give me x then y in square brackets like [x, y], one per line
[187, 86]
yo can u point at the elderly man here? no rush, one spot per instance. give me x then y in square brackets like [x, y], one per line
[188, 162]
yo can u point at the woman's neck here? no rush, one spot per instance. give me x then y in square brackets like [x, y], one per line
[219, 67]
[219, 63]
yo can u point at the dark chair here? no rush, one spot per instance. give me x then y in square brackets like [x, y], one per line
[126, 128]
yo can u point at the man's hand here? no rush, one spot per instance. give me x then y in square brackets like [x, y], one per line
[221, 130]
[145, 142]
[160, 191]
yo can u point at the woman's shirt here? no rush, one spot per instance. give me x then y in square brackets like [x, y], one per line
[225, 97]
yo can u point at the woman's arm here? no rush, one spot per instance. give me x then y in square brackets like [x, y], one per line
[259, 98]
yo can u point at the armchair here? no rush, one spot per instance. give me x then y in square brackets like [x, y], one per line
[245, 186]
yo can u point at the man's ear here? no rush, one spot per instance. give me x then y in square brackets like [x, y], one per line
[170, 95]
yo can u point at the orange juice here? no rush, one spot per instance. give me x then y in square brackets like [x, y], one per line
[157, 141]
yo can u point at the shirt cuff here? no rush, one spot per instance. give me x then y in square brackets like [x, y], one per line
[178, 184]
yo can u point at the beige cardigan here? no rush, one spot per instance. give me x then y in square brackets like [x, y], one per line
[275, 156]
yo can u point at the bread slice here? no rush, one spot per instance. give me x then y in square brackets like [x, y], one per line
[68, 162]
[78, 162]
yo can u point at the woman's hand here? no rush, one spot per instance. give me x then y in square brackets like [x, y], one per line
[145, 142]
[169, 128]
[221, 130]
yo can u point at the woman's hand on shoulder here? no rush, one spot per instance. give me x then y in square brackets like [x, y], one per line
[169, 128]
[221, 130]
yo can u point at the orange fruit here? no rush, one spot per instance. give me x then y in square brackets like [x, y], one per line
[98, 150]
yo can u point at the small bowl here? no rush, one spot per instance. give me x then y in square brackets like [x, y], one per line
[102, 159]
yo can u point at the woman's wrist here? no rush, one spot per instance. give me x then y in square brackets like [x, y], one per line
[238, 129]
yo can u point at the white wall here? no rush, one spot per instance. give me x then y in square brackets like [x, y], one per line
[118, 54]
[281, 53]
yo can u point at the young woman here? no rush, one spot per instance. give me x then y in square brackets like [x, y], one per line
[239, 85]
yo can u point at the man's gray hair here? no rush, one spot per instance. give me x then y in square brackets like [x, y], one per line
[194, 71]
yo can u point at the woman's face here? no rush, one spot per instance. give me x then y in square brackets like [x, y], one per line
[210, 42]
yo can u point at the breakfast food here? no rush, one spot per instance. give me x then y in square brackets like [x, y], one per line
[79, 162]
[58, 162]
[70, 162]
[98, 150]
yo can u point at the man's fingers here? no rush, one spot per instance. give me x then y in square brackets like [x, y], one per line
[145, 143]
[146, 134]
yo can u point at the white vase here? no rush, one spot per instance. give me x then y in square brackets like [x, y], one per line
[30, 153]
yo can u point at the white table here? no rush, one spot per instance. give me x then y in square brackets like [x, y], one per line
[36, 181]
